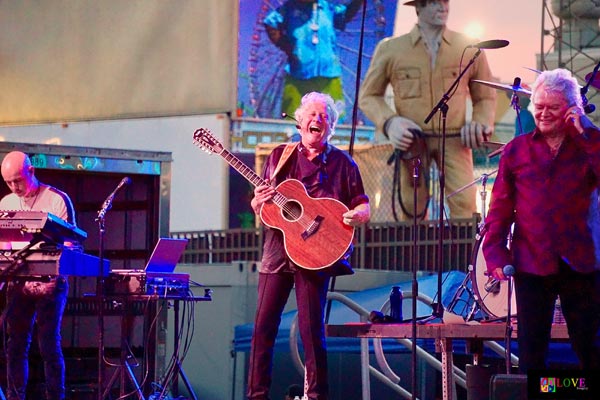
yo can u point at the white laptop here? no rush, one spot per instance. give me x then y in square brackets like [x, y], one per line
[163, 259]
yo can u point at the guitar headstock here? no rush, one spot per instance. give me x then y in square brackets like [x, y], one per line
[204, 139]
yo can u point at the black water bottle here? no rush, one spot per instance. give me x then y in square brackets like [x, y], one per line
[396, 304]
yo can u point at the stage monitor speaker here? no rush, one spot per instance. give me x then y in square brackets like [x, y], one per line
[478, 381]
[513, 387]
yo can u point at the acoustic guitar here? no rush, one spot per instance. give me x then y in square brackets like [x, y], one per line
[314, 234]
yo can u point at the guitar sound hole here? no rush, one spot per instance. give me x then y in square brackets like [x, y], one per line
[292, 210]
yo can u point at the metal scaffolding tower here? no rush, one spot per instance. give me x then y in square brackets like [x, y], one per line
[570, 39]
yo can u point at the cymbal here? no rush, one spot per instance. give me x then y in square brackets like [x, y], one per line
[596, 82]
[519, 90]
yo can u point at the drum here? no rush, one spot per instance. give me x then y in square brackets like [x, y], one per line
[491, 295]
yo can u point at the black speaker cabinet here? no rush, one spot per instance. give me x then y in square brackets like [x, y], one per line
[508, 387]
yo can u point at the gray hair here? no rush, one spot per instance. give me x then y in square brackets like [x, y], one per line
[313, 97]
[559, 81]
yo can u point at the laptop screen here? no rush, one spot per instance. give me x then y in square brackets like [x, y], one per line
[165, 255]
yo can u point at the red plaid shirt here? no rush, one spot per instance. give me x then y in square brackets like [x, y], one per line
[552, 201]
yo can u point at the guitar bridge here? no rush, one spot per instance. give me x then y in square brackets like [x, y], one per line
[312, 228]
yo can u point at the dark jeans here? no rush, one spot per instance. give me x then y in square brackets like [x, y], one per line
[44, 304]
[311, 295]
[580, 303]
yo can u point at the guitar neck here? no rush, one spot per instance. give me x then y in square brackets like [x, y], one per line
[242, 168]
[249, 174]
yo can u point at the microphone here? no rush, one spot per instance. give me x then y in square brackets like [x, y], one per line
[516, 83]
[286, 115]
[590, 79]
[588, 107]
[493, 285]
[124, 181]
[107, 205]
[490, 44]
[508, 270]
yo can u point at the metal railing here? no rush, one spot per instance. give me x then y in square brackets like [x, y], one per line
[378, 246]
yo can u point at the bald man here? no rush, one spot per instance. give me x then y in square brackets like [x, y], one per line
[34, 299]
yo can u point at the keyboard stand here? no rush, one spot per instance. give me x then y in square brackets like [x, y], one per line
[179, 368]
[124, 370]
[18, 258]
[179, 372]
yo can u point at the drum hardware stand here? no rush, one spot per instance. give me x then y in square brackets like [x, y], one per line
[442, 105]
[473, 306]
[483, 193]
[464, 287]
[516, 90]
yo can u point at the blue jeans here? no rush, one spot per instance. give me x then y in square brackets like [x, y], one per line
[44, 304]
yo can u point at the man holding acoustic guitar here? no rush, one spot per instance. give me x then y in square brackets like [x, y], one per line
[310, 198]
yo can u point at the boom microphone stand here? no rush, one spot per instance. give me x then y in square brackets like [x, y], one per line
[509, 271]
[100, 219]
[415, 283]
[442, 105]
[361, 42]
[100, 301]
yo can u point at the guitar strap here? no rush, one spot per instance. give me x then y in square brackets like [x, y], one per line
[287, 152]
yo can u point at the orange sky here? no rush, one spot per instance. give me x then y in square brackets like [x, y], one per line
[518, 21]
